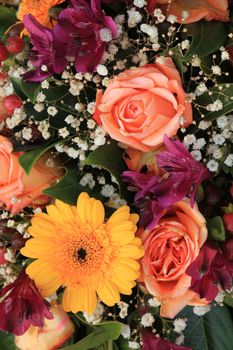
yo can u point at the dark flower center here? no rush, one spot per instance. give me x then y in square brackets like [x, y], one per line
[81, 254]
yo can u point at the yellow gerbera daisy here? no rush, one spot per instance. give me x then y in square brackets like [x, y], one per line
[75, 248]
[39, 9]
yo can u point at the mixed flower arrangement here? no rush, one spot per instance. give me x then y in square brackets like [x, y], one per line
[116, 190]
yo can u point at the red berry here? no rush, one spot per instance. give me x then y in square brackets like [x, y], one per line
[2, 258]
[14, 44]
[228, 222]
[11, 102]
[3, 53]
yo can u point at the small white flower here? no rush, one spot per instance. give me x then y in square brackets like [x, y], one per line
[203, 125]
[216, 70]
[154, 302]
[27, 133]
[196, 155]
[63, 132]
[180, 340]
[222, 122]
[125, 332]
[134, 345]
[91, 107]
[39, 107]
[185, 44]
[147, 320]
[102, 70]
[179, 325]
[172, 19]
[212, 165]
[219, 139]
[229, 160]
[139, 3]
[217, 154]
[52, 110]
[201, 310]
[45, 84]
[134, 17]
[225, 55]
[105, 35]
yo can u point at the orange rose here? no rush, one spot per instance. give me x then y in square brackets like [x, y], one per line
[142, 104]
[18, 190]
[170, 248]
[54, 333]
[196, 10]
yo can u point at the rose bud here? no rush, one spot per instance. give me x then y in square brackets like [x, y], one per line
[14, 44]
[2, 258]
[54, 333]
[227, 248]
[3, 53]
[3, 113]
[10, 103]
[228, 222]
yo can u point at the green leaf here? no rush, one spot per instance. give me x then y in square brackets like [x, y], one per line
[56, 93]
[207, 37]
[68, 188]
[29, 90]
[222, 92]
[213, 331]
[6, 339]
[7, 18]
[102, 333]
[216, 228]
[28, 159]
[110, 158]
[228, 299]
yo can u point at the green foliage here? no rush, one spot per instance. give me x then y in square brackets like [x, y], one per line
[102, 333]
[216, 228]
[28, 159]
[213, 331]
[68, 188]
[222, 92]
[110, 158]
[23, 89]
[7, 18]
[6, 339]
[207, 37]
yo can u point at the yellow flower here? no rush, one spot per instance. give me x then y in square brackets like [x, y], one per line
[39, 9]
[75, 248]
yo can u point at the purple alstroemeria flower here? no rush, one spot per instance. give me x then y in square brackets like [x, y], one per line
[46, 51]
[22, 306]
[151, 342]
[79, 29]
[183, 175]
[210, 269]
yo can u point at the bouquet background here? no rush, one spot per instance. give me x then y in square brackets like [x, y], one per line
[116, 174]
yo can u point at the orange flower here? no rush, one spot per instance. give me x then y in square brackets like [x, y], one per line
[18, 190]
[196, 10]
[39, 9]
[142, 104]
[170, 248]
[54, 333]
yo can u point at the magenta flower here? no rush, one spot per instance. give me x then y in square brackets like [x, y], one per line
[79, 29]
[22, 306]
[46, 51]
[209, 271]
[183, 175]
[151, 342]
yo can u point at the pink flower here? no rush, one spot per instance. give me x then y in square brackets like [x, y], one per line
[211, 271]
[22, 306]
[151, 342]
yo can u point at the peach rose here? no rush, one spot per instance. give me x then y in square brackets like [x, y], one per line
[196, 9]
[18, 190]
[170, 248]
[142, 104]
[54, 333]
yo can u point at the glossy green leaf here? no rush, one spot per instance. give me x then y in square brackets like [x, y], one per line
[228, 299]
[216, 228]
[68, 188]
[110, 158]
[7, 18]
[56, 93]
[7, 341]
[30, 90]
[101, 334]
[222, 92]
[213, 331]
[207, 37]
[28, 159]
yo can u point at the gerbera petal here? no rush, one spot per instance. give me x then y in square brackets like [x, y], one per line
[108, 293]
[65, 210]
[119, 215]
[130, 251]
[83, 206]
